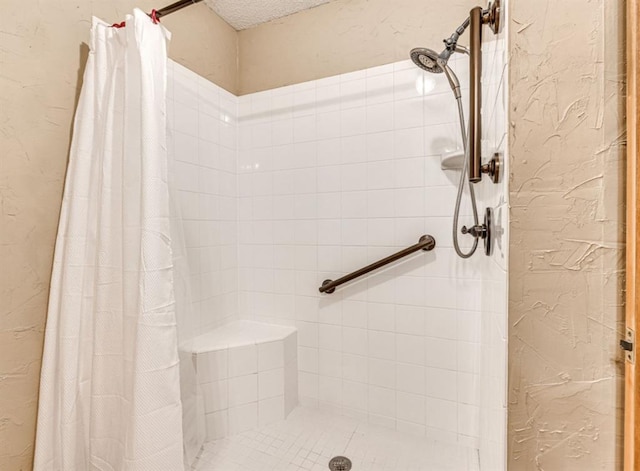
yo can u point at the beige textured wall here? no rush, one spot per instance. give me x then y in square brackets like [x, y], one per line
[204, 43]
[40, 65]
[566, 260]
[343, 36]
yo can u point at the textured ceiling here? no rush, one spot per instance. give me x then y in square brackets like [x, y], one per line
[243, 14]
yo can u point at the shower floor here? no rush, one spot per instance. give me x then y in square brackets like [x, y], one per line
[309, 438]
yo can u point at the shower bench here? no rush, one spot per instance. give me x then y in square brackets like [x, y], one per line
[248, 375]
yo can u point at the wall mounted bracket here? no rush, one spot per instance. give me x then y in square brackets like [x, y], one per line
[492, 168]
[492, 16]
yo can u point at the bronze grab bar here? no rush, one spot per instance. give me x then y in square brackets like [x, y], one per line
[425, 243]
[477, 18]
[475, 95]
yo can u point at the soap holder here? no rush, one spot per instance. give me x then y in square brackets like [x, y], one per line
[452, 160]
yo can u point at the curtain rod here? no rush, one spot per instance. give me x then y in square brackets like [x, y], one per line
[175, 7]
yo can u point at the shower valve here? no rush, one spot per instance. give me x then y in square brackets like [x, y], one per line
[485, 231]
[478, 231]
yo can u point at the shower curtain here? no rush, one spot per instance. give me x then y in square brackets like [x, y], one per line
[110, 382]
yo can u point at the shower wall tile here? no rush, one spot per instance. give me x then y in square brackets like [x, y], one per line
[202, 150]
[282, 189]
[333, 175]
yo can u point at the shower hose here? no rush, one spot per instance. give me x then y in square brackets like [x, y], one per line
[463, 178]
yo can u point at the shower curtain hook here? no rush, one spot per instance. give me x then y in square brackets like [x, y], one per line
[153, 15]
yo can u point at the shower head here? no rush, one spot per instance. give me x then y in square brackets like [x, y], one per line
[428, 60]
[431, 61]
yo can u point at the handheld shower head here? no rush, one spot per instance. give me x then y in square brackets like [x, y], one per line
[427, 59]
[430, 61]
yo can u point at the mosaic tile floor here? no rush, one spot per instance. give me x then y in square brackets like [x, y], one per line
[309, 438]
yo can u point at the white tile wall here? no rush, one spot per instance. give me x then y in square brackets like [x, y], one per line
[491, 415]
[308, 182]
[203, 153]
[334, 174]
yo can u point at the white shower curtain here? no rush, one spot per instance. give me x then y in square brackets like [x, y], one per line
[110, 381]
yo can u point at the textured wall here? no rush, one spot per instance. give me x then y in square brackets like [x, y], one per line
[343, 36]
[203, 42]
[567, 218]
[41, 59]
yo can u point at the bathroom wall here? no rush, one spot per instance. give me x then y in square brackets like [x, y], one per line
[42, 58]
[566, 91]
[202, 142]
[308, 209]
[42, 61]
[566, 129]
[203, 42]
[337, 173]
[343, 36]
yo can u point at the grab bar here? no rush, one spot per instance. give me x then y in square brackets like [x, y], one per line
[477, 18]
[475, 95]
[425, 243]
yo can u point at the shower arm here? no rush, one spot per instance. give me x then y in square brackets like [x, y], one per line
[451, 43]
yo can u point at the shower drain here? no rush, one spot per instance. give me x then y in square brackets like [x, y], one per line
[340, 463]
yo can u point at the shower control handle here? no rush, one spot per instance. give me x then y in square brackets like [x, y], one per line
[478, 231]
[484, 231]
